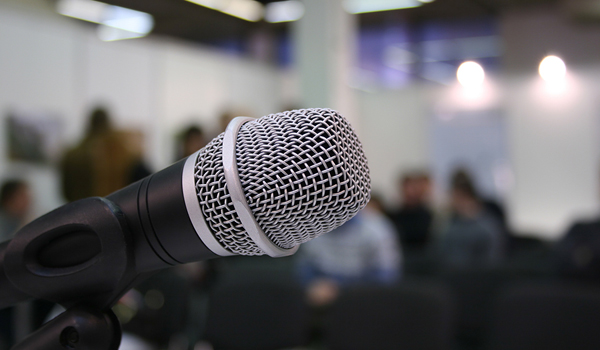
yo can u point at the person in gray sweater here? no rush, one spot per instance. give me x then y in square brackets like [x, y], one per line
[472, 236]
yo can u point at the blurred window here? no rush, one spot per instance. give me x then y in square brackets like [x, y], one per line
[395, 54]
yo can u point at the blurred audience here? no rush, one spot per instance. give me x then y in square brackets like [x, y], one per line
[191, 140]
[414, 217]
[471, 236]
[363, 250]
[100, 164]
[15, 202]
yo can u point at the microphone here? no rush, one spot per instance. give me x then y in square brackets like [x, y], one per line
[264, 186]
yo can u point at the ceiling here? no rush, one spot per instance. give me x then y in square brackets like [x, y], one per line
[188, 21]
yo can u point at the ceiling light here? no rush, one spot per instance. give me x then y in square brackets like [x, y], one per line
[91, 11]
[470, 74]
[121, 19]
[553, 69]
[106, 33]
[248, 10]
[363, 6]
[245, 9]
[130, 20]
[284, 11]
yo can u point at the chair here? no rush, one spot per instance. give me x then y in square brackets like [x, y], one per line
[257, 315]
[474, 291]
[412, 315]
[547, 316]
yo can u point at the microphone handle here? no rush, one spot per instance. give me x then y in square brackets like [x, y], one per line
[158, 218]
[95, 249]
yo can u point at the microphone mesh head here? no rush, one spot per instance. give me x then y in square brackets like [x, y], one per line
[303, 173]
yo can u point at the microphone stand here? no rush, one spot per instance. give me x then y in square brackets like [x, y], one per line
[80, 256]
[80, 327]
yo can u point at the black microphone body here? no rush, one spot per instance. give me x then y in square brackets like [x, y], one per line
[94, 246]
[264, 186]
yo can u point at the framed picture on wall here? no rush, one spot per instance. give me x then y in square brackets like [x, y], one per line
[33, 136]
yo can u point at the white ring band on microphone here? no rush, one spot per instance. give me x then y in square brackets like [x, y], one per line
[238, 198]
[193, 208]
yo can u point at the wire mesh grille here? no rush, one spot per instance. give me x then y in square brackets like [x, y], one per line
[215, 203]
[303, 173]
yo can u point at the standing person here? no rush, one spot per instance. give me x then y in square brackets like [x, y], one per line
[100, 164]
[414, 217]
[15, 202]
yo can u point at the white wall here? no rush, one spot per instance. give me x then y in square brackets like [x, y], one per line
[554, 134]
[394, 133]
[36, 73]
[53, 64]
[554, 153]
[200, 84]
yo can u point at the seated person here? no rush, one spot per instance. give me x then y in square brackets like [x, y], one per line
[472, 236]
[363, 250]
[414, 217]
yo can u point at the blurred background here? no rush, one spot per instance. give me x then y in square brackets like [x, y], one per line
[480, 120]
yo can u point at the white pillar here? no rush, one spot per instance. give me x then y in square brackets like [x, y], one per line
[324, 53]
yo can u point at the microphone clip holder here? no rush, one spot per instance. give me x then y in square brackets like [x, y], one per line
[80, 256]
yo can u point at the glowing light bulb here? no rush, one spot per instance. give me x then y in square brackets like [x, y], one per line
[553, 69]
[470, 74]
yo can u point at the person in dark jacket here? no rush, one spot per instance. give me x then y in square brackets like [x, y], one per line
[414, 217]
